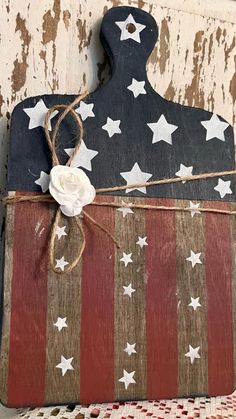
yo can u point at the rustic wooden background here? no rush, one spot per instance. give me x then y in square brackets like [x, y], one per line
[52, 46]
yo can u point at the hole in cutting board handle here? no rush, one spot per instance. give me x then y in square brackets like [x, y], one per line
[128, 35]
[131, 28]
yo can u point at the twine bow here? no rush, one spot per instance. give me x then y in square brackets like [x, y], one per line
[52, 143]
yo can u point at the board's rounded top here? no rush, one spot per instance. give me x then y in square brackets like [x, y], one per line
[127, 31]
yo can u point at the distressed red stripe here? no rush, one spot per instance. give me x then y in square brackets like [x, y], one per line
[219, 301]
[97, 310]
[161, 307]
[27, 351]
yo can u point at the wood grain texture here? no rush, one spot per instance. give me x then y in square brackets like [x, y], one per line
[233, 236]
[161, 310]
[66, 342]
[218, 268]
[130, 321]
[7, 301]
[192, 325]
[101, 319]
[28, 304]
[97, 310]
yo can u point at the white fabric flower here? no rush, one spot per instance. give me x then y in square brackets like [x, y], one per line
[71, 188]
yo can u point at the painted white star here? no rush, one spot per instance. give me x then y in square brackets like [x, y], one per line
[61, 263]
[130, 29]
[43, 181]
[37, 115]
[195, 303]
[127, 378]
[136, 176]
[125, 209]
[83, 156]
[137, 87]
[193, 353]
[184, 171]
[194, 209]
[130, 349]
[60, 323]
[162, 130]
[215, 128]
[223, 187]
[65, 364]
[126, 258]
[85, 110]
[142, 241]
[60, 231]
[194, 258]
[128, 290]
[112, 127]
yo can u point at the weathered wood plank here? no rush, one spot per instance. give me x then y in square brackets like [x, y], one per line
[33, 60]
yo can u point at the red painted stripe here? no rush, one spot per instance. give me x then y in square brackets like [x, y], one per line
[219, 301]
[161, 307]
[27, 351]
[97, 310]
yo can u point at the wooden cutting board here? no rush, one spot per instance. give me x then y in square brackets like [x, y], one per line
[155, 318]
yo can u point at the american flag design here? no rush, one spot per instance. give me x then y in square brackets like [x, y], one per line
[155, 318]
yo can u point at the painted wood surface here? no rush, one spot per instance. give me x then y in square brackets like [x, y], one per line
[101, 319]
[54, 48]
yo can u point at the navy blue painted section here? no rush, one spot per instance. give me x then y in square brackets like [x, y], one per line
[29, 153]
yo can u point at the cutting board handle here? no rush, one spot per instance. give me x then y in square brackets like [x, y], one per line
[128, 35]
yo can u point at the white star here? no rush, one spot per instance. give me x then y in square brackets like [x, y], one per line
[142, 241]
[85, 110]
[60, 231]
[194, 258]
[43, 181]
[126, 27]
[162, 130]
[125, 209]
[83, 156]
[60, 323]
[195, 303]
[184, 171]
[127, 378]
[130, 349]
[112, 127]
[137, 87]
[193, 353]
[223, 187]
[65, 365]
[126, 258]
[136, 176]
[61, 263]
[37, 115]
[128, 290]
[215, 128]
[194, 208]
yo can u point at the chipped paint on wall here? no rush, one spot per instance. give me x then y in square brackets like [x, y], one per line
[83, 35]
[50, 23]
[18, 77]
[66, 18]
[164, 41]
